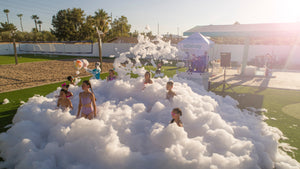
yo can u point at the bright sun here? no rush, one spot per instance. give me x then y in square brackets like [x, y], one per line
[288, 10]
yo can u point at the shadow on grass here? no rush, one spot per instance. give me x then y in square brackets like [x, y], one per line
[6, 119]
[264, 85]
[245, 99]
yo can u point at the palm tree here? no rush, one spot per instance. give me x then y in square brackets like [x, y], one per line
[20, 16]
[102, 20]
[35, 17]
[6, 11]
[39, 22]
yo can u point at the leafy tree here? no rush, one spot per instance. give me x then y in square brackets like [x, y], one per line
[134, 34]
[150, 35]
[20, 16]
[102, 21]
[7, 27]
[6, 11]
[35, 18]
[48, 36]
[87, 30]
[28, 36]
[39, 22]
[68, 23]
[120, 27]
[6, 36]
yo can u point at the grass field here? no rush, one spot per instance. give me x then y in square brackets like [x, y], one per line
[283, 109]
[10, 59]
[7, 111]
[166, 70]
[282, 105]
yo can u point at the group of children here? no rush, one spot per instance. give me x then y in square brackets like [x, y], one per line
[176, 112]
[87, 101]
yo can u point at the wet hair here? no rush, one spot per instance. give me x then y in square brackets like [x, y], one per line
[63, 90]
[70, 78]
[66, 86]
[170, 83]
[148, 73]
[87, 82]
[112, 70]
[177, 111]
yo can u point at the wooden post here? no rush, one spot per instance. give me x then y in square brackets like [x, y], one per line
[99, 46]
[100, 51]
[15, 48]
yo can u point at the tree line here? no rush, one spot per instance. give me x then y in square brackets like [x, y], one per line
[69, 25]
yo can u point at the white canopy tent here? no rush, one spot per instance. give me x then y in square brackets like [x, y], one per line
[195, 45]
[195, 52]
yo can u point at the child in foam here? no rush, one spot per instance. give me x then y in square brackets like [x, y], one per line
[147, 79]
[96, 72]
[64, 102]
[71, 80]
[66, 87]
[86, 100]
[170, 94]
[176, 113]
[111, 75]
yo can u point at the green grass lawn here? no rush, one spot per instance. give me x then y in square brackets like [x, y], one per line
[166, 71]
[7, 111]
[10, 59]
[283, 107]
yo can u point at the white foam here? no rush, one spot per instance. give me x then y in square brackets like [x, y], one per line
[5, 101]
[132, 131]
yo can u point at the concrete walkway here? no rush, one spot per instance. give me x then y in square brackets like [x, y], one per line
[279, 79]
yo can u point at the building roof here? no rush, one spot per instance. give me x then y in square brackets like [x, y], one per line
[134, 39]
[259, 30]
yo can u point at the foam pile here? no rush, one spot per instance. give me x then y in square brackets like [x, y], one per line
[133, 131]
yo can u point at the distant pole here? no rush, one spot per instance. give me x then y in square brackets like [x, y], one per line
[177, 33]
[15, 48]
[245, 54]
[157, 29]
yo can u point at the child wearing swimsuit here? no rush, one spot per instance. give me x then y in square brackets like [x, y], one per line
[170, 94]
[148, 78]
[87, 102]
[63, 101]
[111, 75]
[66, 87]
[86, 105]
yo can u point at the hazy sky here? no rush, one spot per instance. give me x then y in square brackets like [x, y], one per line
[171, 15]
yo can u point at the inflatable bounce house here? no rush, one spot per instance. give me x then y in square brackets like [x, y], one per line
[195, 49]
